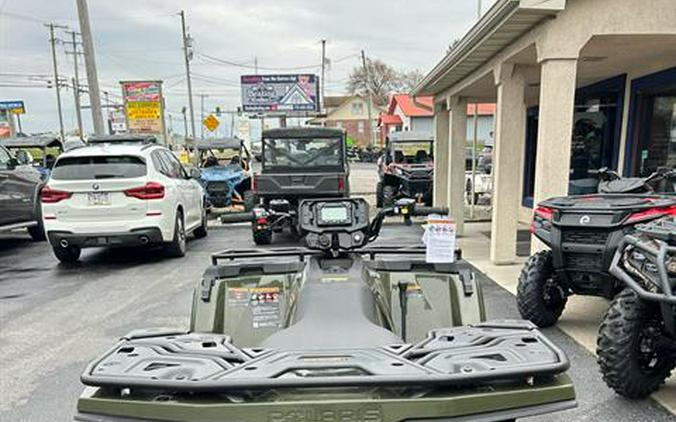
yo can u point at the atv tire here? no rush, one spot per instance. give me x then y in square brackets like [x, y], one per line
[620, 347]
[250, 200]
[177, 247]
[202, 231]
[263, 237]
[67, 255]
[388, 196]
[539, 298]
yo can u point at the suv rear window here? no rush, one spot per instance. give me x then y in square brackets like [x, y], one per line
[99, 167]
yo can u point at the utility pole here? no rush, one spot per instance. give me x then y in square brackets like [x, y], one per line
[76, 82]
[323, 73]
[57, 86]
[255, 65]
[202, 96]
[187, 54]
[478, 12]
[90, 66]
[370, 97]
[185, 122]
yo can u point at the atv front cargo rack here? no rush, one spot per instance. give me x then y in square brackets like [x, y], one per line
[205, 362]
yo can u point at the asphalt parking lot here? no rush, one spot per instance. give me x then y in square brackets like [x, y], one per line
[56, 318]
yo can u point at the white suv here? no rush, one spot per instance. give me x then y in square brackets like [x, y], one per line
[121, 195]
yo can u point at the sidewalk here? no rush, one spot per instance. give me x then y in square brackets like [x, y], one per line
[582, 315]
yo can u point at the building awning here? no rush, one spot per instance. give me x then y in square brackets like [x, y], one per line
[501, 25]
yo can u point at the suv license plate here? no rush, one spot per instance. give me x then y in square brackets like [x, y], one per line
[98, 198]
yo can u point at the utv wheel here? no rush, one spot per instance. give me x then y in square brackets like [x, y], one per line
[176, 248]
[250, 200]
[388, 196]
[539, 297]
[202, 230]
[628, 347]
[379, 195]
[263, 237]
[67, 255]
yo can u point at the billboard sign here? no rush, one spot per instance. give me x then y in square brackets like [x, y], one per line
[280, 93]
[143, 106]
[14, 106]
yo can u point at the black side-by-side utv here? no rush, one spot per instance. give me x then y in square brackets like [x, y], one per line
[297, 163]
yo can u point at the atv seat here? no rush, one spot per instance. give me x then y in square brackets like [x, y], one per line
[333, 313]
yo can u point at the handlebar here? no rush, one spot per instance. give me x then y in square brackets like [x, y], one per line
[422, 211]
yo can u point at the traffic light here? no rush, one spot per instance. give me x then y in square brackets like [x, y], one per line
[218, 111]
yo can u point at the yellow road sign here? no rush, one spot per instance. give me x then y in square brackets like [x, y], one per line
[211, 122]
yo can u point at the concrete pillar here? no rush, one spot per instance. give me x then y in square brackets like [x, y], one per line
[509, 147]
[555, 130]
[458, 144]
[441, 155]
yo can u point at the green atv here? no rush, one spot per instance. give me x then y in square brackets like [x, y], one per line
[335, 331]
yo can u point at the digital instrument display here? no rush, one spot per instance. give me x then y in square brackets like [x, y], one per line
[338, 214]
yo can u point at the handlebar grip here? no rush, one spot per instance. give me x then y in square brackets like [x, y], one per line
[430, 210]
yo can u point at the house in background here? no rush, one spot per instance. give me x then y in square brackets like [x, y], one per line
[405, 114]
[351, 114]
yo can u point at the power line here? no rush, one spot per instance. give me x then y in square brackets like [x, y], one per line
[246, 66]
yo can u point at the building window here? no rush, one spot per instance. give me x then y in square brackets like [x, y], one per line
[596, 136]
[360, 127]
[339, 125]
[651, 133]
[357, 108]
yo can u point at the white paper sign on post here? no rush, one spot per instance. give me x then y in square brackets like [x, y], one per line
[439, 239]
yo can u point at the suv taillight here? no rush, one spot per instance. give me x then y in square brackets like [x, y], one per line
[650, 214]
[542, 217]
[52, 196]
[151, 190]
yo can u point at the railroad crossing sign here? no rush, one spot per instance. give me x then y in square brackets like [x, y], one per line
[211, 122]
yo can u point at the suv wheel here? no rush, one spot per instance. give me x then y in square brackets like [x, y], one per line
[539, 297]
[250, 200]
[632, 358]
[379, 195]
[67, 255]
[202, 230]
[176, 248]
[388, 196]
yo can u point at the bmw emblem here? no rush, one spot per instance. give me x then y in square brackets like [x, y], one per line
[95, 186]
[585, 219]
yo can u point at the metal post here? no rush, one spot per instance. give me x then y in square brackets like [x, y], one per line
[186, 55]
[76, 84]
[202, 114]
[18, 122]
[90, 66]
[323, 74]
[370, 98]
[478, 11]
[57, 86]
[255, 65]
[185, 123]
[108, 120]
[474, 144]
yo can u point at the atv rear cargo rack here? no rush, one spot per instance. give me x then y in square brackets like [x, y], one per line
[180, 361]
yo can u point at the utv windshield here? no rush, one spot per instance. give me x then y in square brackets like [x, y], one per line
[307, 154]
[412, 152]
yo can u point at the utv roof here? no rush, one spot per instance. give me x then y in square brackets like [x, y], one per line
[127, 138]
[221, 143]
[303, 132]
[32, 141]
[410, 136]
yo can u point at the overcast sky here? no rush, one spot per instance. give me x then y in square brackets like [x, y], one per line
[141, 39]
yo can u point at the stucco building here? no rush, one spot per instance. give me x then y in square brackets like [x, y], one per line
[579, 84]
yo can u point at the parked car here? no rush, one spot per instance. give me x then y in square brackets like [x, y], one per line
[406, 169]
[126, 194]
[19, 204]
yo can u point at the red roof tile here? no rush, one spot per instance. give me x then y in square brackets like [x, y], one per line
[389, 119]
[422, 107]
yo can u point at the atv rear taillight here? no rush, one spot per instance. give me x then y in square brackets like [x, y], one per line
[52, 196]
[151, 190]
[542, 218]
[650, 214]
[253, 183]
[341, 184]
[262, 220]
